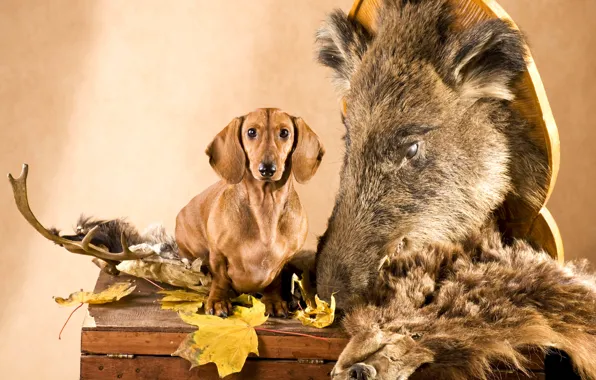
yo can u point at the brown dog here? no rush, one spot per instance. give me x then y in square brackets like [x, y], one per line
[248, 225]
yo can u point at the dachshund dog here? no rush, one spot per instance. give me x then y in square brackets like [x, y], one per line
[250, 224]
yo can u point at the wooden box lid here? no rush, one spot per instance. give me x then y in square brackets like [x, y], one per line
[136, 325]
[531, 101]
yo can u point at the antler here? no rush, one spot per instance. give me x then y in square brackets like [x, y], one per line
[84, 247]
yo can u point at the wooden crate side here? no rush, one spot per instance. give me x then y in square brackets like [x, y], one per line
[96, 367]
[164, 343]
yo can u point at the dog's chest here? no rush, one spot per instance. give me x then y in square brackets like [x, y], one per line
[256, 263]
[259, 241]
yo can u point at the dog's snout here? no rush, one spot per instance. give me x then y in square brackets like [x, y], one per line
[267, 169]
[361, 372]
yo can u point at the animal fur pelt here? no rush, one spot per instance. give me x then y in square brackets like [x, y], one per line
[110, 231]
[453, 310]
[167, 265]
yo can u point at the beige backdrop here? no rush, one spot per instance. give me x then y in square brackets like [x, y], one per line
[112, 104]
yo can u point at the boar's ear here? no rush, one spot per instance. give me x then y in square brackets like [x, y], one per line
[341, 44]
[226, 155]
[485, 60]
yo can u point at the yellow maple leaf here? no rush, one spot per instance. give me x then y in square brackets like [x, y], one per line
[321, 316]
[305, 288]
[169, 273]
[111, 294]
[184, 296]
[225, 342]
[182, 300]
[185, 307]
[243, 300]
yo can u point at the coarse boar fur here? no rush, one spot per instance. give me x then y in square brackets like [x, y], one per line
[455, 310]
[433, 150]
[431, 147]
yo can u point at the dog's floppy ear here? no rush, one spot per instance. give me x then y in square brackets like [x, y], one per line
[226, 154]
[308, 151]
[485, 60]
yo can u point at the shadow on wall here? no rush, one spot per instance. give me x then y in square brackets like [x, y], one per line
[44, 49]
[43, 52]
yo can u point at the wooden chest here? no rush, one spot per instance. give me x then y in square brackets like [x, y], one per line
[134, 339]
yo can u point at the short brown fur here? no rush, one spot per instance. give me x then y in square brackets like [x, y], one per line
[249, 225]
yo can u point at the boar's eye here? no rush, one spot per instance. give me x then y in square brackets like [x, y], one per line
[412, 151]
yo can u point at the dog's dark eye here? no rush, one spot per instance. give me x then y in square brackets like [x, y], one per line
[252, 133]
[412, 150]
[284, 133]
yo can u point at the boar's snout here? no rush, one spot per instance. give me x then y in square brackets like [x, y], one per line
[361, 371]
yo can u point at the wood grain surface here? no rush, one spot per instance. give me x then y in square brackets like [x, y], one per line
[94, 367]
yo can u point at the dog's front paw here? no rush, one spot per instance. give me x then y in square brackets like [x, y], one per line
[222, 307]
[275, 306]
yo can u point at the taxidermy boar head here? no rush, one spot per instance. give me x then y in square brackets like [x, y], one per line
[432, 148]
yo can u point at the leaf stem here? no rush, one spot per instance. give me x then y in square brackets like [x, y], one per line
[291, 333]
[153, 283]
[68, 319]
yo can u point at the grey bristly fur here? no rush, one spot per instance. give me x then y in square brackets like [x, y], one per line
[109, 232]
[453, 311]
[417, 80]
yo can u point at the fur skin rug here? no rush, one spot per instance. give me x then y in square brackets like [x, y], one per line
[453, 311]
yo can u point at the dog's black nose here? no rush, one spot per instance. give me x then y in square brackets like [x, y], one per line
[267, 170]
[358, 372]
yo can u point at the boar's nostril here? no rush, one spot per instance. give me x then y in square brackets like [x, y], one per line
[359, 372]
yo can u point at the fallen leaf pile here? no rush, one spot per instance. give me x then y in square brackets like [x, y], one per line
[111, 294]
[225, 342]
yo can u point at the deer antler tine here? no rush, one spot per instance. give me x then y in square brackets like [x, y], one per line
[124, 244]
[19, 189]
[87, 239]
[126, 252]
[23, 176]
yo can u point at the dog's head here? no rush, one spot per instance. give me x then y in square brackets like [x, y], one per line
[266, 143]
